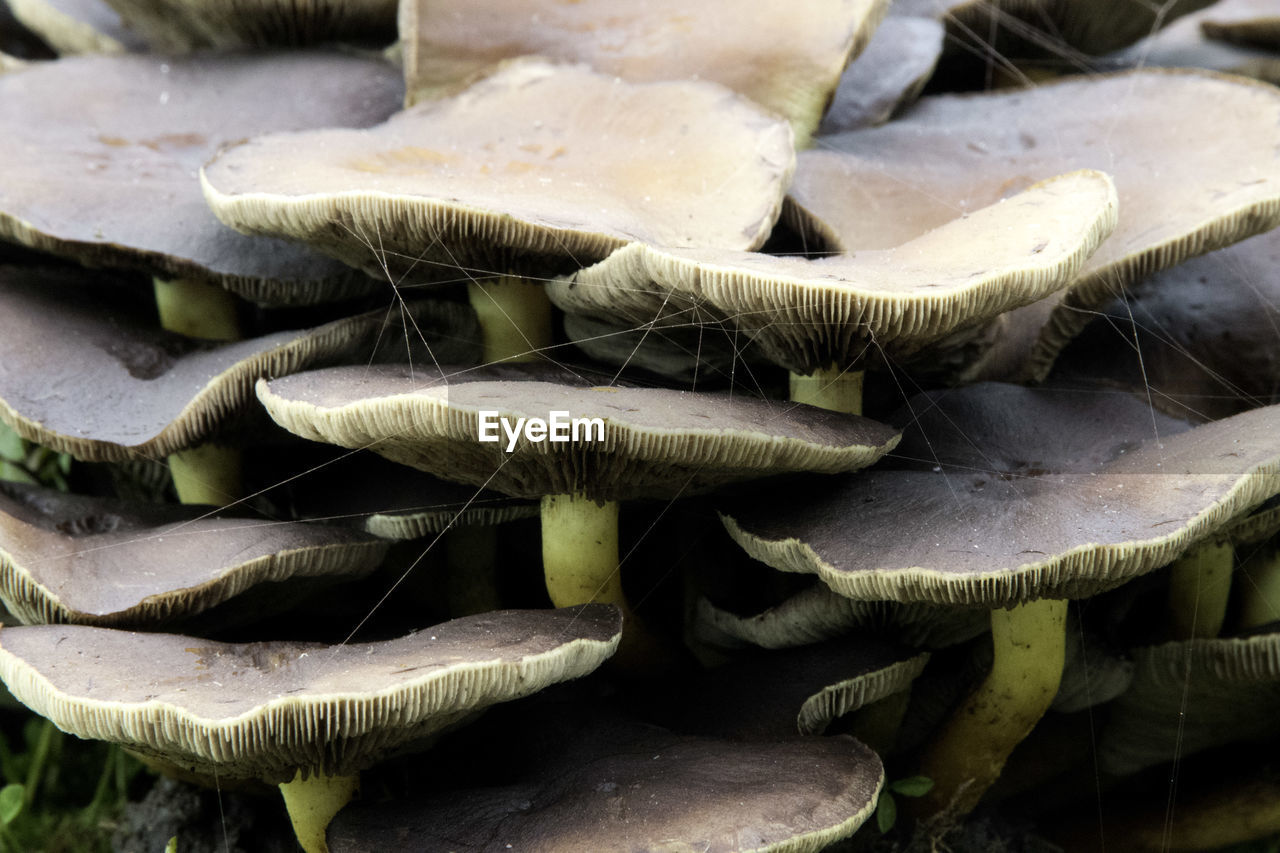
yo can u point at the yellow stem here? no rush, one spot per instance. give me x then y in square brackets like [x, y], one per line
[1259, 588]
[830, 388]
[969, 752]
[207, 474]
[515, 317]
[197, 310]
[313, 802]
[1199, 584]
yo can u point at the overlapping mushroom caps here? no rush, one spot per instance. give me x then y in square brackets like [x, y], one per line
[1035, 497]
[535, 169]
[614, 443]
[637, 787]
[786, 59]
[303, 715]
[89, 561]
[1199, 338]
[101, 154]
[102, 383]
[1255, 22]
[823, 319]
[953, 154]
[1183, 44]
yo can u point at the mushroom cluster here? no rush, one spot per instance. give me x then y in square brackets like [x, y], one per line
[444, 402]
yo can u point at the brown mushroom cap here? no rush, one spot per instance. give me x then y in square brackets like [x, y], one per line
[541, 160]
[787, 59]
[887, 76]
[807, 315]
[997, 523]
[650, 790]
[101, 382]
[102, 155]
[77, 26]
[1200, 339]
[97, 562]
[955, 154]
[656, 443]
[268, 710]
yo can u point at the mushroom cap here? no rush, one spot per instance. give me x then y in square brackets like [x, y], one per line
[77, 26]
[1183, 44]
[808, 314]
[656, 443]
[90, 561]
[1000, 519]
[269, 710]
[536, 160]
[887, 76]
[696, 353]
[1191, 695]
[176, 26]
[102, 154]
[1199, 338]
[817, 614]
[954, 154]
[650, 790]
[395, 502]
[788, 59]
[774, 695]
[100, 382]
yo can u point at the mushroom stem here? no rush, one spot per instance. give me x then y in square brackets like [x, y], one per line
[1259, 589]
[1199, 584]
[471, 560]
[515, 317]
[580, 552]
[312, 802]
[205, 474]
[969, 752]
[878, 723]
[839, 390]
[197, 310]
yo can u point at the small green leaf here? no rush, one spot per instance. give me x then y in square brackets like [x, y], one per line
[886, 811]
[11, 797]
[15, 473]
[172, 846]
[912, 786]
[64, 463]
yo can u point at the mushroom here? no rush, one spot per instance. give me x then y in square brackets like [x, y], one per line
[633, 442]
[1078, 499]
[1199, 339]
[92, 561]
[534, 169]
[302, 715]
[620, 786]
[1183, 44]
[103, 384]
[887, 76]
[824, 319]
[956, 154]
[788, 60]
